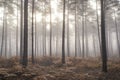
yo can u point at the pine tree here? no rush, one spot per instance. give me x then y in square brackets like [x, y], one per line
[25, 52]
[103, 37]
[63, 35]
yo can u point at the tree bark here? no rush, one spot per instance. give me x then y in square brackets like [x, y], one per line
[33, 2]
[63, 35]
[25, 54]
[103, 38]
[68, 35]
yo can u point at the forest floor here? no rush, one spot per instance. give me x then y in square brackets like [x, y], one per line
[52, 69]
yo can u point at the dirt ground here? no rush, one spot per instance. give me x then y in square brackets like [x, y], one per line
[51, 69]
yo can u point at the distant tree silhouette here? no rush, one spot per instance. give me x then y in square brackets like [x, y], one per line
[83, 29]
[17, 29]
[76, 28]
[3, 28]
[21, 31]
[50, 28]
[68, 35]
[6, 31]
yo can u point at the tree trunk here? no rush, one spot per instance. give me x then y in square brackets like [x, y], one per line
[79, 41]
[17, 31]
[57, 35]
[25, 54]
[50, 29]
[68, 35]
[94, 44]
[76, 28]
[86, 37]
[6, 34]
[21, 32]
[3, 29]
[43, 28]
[83, 18]
[36, 42]
[103, 38]
[45, 31]
[63, 35]
[10, 49]
[33, 2]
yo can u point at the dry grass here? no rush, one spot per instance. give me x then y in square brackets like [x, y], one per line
[52, 69]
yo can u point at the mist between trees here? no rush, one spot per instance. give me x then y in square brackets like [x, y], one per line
[61, 28]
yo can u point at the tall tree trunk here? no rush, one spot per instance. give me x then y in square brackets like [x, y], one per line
[85, 32]
[83, 19]
[21, 31]
[43, 37]
[10, 49]
[103, 37]
[68, 35]
[57, 39]
[33, 2]
[6, 34]
[76, 28]
[45, 31]
[93, 37]
[17, 31]
[25, 54]
[36, 42]
[50, 28]
[3, 29]
[57, 43]
[86, 37]
[63, 35]
[79, 41]
[43, 28]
